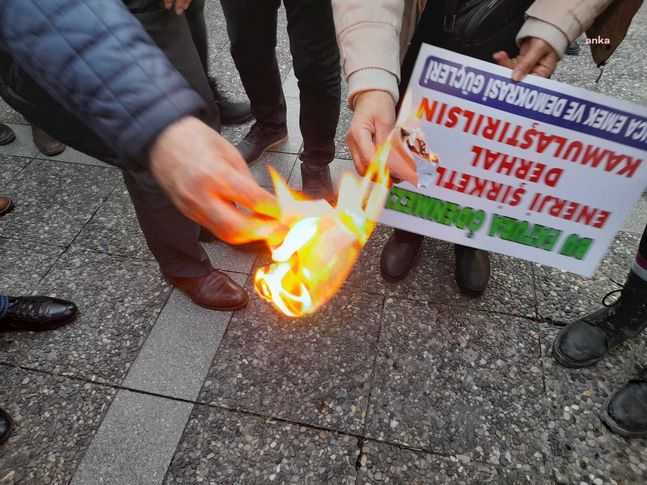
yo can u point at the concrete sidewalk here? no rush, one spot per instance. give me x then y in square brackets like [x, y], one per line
[394, 383]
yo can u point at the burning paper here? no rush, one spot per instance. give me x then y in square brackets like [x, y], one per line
[323, 242]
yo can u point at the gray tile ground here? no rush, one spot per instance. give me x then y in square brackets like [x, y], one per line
[118, 300]
[24, 264]
[8, 115]
[562, 297]
[56, 200]
[114, 229]
[221, 446]
[55, 420]
[510, 290]
[460, 382]
[22, 146]
[135, 442]
[313, 370]
[10, 166]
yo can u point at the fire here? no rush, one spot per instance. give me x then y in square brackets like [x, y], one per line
[323, 242]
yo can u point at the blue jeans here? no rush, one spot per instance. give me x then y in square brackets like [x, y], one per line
[4, 305]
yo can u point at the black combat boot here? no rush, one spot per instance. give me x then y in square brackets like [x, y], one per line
[625, 412]
[260, 139]
[399, 254]
[472, 270]
[583, 342]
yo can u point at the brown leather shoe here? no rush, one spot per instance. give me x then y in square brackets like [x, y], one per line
[215, 291]
[45, 143]
[6, 204]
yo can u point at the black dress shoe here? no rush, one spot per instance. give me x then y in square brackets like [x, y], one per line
[37, 313]
[46, 144]
[5, 425]
[472, 270]
[399, 254]
[231, 112]
[215, 291]
[6, 134]
[316, 181]
[625, 412]
[259, 140]
[583, 342]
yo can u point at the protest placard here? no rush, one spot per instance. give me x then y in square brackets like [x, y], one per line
[538, 170]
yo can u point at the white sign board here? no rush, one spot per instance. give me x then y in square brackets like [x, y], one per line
[538, 170]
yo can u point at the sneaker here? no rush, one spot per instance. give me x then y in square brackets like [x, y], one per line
[259, 140]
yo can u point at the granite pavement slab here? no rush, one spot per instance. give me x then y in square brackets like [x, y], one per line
[220, 446]
[23, 145]
[24, 264]
[454, 381]
[119, 301]
[113, 229]
[563, 297]
[10, 166]
[8, 115]
[312, 370]
[55, 419]
[386, 463]
[582, 449]
[56, 200]
[510, 290]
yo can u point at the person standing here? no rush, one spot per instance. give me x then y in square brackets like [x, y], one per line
[252, 28]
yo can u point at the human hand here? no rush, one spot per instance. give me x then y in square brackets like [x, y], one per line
[204, 175]
[372, 123]
[536, 56]
[178, 5]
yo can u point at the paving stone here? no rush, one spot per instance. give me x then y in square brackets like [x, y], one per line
[227, 257]
[10, 166]
[582, 448]
[312, 370]
[291, 85]
[56, 200]
[294, 143]
[217, 32]
[135, 442]
[563, 297]
[178, 352]
[55, 420]
[118, 300]
[637, 219]
[24, 264]
[70, 155]
[283, 163]
[228, 447]
[345, 117]
[22, 146]
[114, 229]
[8, 115]
[510, 290]
[381, 462]
[456, 381]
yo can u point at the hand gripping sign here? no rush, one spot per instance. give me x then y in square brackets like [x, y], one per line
[537, 170]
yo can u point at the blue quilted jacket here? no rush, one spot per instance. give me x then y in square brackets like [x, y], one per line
[96, 60]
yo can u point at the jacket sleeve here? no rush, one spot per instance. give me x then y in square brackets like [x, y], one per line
[368, 34]
[95, 58]
[560, 22]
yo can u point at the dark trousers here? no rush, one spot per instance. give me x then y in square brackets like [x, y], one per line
[252, 26]
[171, 237]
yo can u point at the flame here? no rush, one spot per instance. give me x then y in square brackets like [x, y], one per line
[323, 242]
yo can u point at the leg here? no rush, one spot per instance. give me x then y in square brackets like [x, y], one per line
[583, 342]
[316, 65]
[251, 25]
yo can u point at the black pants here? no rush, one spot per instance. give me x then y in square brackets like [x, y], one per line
[171, 237]
[252, 26]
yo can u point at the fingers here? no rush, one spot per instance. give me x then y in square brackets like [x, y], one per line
[179, 6]
[503, 59]
[244, 191]
[361, 145]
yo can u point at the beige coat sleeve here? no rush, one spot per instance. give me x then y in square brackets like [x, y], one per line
[560, 22]
[368, 33]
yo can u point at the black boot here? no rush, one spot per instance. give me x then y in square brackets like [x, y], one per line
[625, 412]
[231, 112]
[583, 342]
[5, 425]
[6, 134]
[399, 254]
[259, 140]
[472, 270]
[316, 181]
